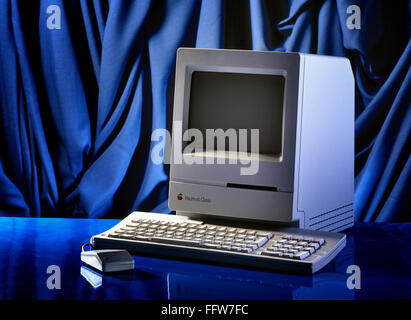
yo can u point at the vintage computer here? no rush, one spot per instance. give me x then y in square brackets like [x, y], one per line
[262, 162]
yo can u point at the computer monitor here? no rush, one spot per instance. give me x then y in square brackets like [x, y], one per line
[263, 137]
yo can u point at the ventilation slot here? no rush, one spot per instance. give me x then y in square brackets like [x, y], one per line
[333, 220]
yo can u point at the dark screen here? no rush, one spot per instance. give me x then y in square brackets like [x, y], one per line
[239, 101]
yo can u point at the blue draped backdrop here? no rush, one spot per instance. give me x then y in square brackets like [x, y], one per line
[78, 104]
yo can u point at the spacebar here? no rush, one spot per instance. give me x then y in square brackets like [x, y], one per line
[181, 242]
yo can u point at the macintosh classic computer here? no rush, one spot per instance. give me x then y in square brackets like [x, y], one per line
[262, 162]
[303, 106]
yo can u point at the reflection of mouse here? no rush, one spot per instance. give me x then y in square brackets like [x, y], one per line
[108, 260]
[93, 277]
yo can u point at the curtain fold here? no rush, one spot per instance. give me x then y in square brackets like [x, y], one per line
[78, 103]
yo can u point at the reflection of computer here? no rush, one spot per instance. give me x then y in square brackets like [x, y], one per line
[259, 139]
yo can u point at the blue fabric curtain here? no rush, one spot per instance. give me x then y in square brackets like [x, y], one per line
[78, 104]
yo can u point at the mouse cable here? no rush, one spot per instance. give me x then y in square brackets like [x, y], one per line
[85, 246]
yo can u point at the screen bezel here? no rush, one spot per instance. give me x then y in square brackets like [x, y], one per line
[273, 171]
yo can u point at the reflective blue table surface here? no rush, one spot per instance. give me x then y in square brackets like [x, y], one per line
[28, 246]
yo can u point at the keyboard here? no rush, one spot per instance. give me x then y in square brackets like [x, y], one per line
[284, 249]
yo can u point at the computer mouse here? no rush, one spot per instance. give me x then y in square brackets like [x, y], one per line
[108, 260]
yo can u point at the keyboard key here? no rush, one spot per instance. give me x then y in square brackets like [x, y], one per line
[309, 249]
[302, 243]
[126, 228]
[261, 241]
[125, 236]
[314, 245]
[113, 235]
[132, 224]
[272, 253]
[211, 245]
[238, 244]
[301, 255]
[268, 235]
[319, 241]
[183, 242]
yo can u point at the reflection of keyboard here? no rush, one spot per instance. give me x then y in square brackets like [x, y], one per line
[286, 249]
